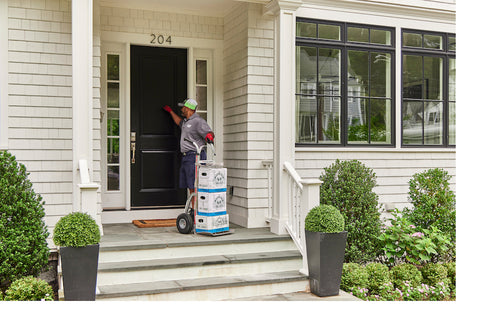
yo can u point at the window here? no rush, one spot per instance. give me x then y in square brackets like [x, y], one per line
[344, 84]
[201, 87]
[428, 89]
[113, 122]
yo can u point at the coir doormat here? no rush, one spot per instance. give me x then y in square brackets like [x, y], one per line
[155, 223]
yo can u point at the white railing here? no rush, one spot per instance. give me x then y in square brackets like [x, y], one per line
[268, 164]
[303, 194]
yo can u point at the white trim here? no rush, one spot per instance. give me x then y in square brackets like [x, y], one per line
[3, 75]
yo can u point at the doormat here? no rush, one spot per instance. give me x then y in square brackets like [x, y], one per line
[155, 223]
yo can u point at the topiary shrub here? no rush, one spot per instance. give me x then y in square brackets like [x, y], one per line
[29, 289]
[433, 201]
[353, 276]
[378, 275]
[23, 234]
[324, 218]
[406, 272]
[76, 229]
[348, 186]
[434, 273]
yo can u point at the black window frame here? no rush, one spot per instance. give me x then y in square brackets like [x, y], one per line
[445, 54]
[344, 46]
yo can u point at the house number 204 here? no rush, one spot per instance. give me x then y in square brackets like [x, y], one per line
[160, 39]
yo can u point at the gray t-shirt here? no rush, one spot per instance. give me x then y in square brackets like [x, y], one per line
[195, 128]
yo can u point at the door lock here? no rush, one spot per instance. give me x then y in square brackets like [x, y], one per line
[133, 144]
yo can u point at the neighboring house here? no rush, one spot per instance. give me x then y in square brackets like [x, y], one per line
[82, 83]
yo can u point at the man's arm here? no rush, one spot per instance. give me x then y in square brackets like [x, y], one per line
[175, 117]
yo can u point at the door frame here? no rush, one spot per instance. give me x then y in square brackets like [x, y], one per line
[120, 42]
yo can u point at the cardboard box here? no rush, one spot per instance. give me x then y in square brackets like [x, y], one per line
[212, 223]
[212, 202]
[212, 178]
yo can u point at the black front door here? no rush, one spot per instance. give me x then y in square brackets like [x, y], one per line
[158, 78]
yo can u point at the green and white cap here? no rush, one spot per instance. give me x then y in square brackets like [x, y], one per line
[189, 103]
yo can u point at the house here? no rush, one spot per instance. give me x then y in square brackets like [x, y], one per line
[284, 84]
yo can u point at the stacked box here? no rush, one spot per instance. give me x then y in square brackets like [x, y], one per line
[212, 214]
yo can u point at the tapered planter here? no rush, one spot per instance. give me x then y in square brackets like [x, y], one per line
[325, 254]
[79, 269]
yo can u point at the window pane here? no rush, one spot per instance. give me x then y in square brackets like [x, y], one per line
[113, 95]
[433, 72]
[113, 67]
[358, 73]
[329, 71]
[201, 98]
[412, 77]
[113, 178]
[433, 131]
[306, 119]
[381, 37]
[113, 123]
[412, 40]
[329, 32]
[357, 120]
[357, 34]
[380, 121]
[432, 41]
[329, 113]
[201, 72]
[452, 79]
[380, 77]
[113, 150]
[412, 116]
[306, 30]
[306, 67]
[452, 44]
[452, 123]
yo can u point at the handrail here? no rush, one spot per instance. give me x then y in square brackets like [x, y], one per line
[293, 174]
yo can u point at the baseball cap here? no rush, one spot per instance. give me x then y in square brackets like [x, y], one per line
[189, 103]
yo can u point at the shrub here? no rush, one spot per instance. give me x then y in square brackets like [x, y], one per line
[23, 234]
[353, 276]
[348, 186]
[76, 229]
[406, 272]
[451, 272]
[434, 273]
[378, 275]
[324, 218]
[29, 289]
[433, 201]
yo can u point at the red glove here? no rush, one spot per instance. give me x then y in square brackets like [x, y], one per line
[167, 108]
[209, 137]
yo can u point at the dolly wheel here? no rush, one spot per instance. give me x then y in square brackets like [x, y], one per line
[184, 223]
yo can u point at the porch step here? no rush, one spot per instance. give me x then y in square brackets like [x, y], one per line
[212, 288]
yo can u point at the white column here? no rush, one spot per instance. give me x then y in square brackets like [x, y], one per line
[3, 75]
[284, 108]
[84, 192]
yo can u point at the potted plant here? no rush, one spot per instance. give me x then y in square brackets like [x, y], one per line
[325, 239]
[78, 236]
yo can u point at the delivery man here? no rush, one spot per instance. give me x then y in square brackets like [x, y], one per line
[194, 128]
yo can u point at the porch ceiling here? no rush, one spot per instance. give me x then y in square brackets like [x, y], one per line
[216, 8]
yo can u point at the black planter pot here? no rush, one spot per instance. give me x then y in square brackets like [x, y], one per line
[79, 269]
[325, 254]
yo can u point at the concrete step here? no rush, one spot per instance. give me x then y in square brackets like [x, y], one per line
[211, 288]
[110, 273]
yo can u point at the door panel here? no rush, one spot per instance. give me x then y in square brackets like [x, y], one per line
[158, 78]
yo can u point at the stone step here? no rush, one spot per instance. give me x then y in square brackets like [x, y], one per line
[111, 273]
[211, 288]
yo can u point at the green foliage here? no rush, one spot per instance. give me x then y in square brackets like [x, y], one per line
[29, 289]
[378, 275]
[76, 229]
[324, 218]
[433, 201]
[353, 276]
[451, 272]
[404, 242]
[406, 272]
[348, 186]
[434, 273]
[23, 234]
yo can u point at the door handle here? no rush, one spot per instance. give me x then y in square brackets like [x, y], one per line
[132, 148]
